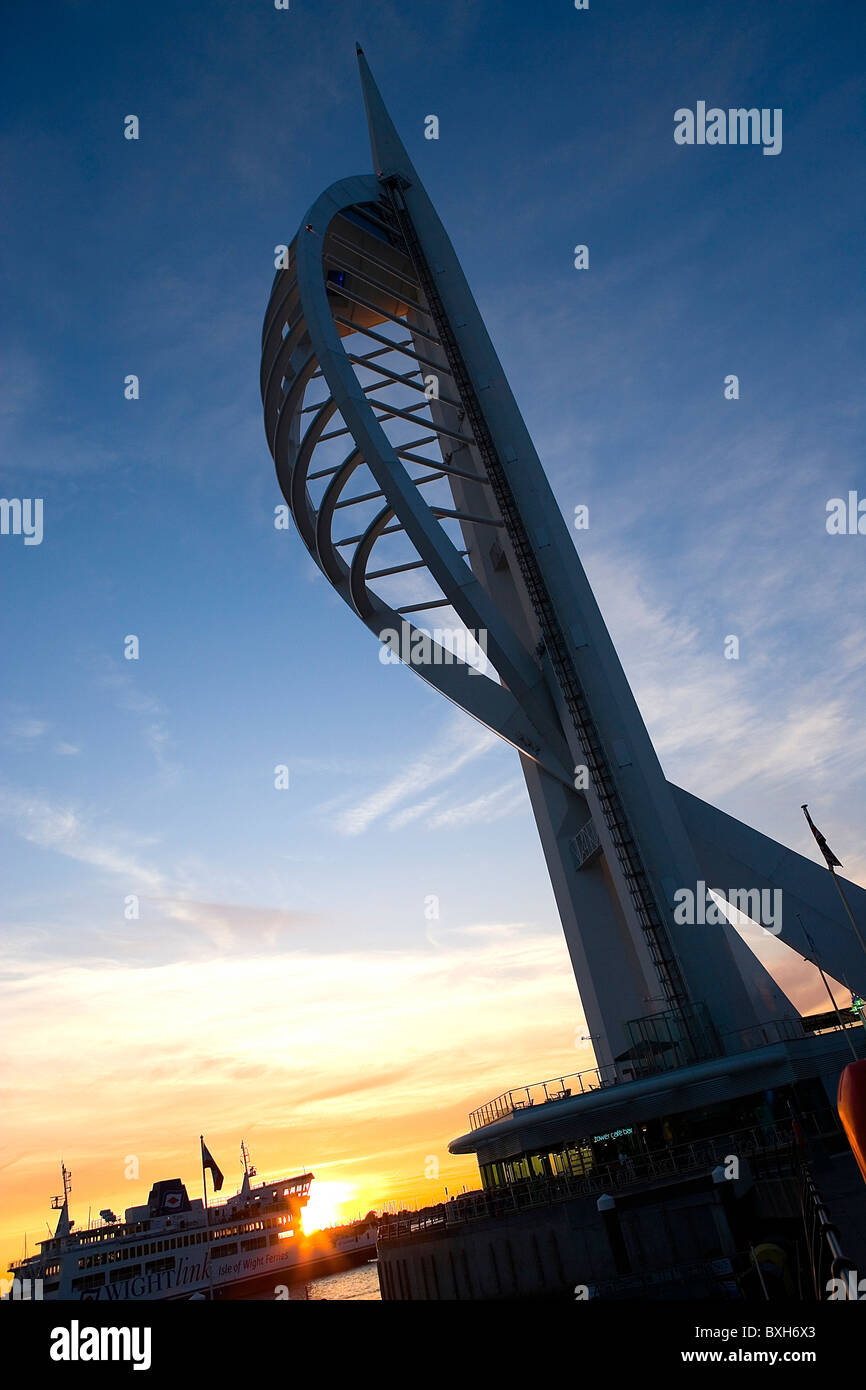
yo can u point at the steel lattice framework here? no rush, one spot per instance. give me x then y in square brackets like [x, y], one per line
[350, 318]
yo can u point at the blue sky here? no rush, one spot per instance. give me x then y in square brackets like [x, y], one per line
[707, 517]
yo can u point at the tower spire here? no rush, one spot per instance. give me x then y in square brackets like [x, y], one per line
[389, 152]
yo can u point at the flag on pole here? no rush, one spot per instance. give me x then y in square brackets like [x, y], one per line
[208, 1161]
[832, 861]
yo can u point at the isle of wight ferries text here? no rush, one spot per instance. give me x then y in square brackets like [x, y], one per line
[187, 1274]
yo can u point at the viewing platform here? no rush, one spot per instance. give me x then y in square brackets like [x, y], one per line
[583, 1083]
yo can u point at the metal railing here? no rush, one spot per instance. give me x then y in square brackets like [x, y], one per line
[639, 1169]
[597, 1078]
[827, 1262]
[540, 1092]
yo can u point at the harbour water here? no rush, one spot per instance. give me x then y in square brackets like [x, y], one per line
[360, 1284]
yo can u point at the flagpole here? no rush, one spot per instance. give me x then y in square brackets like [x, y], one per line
[847, 907]
[832, 863]
[206, 1221]
[203, 1176]
[817, 964]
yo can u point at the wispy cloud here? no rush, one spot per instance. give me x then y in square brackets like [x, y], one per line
[28, 730]
[754, 732]
[130, 696]
[229, 925]
[462, 742]
[63, 830]
[491, 806]
[415, 812]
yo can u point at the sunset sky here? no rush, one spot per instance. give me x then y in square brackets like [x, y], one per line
[282, 983]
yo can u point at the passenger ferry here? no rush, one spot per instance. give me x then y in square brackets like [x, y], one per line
[177, 1247]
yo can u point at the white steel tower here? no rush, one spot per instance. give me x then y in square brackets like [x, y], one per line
[415, 486]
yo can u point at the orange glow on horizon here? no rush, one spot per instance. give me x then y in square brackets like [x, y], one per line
[415, 1039]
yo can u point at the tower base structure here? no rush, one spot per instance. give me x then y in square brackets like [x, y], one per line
[680, 1185]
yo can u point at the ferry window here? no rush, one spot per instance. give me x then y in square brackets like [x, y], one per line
[255, 1244]
[157, 1266]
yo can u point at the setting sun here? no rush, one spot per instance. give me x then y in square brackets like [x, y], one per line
[325, 1207]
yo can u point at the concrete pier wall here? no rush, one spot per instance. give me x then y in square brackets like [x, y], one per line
[548, 1251]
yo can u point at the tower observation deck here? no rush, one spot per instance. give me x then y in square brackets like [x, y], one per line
[416, 488]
